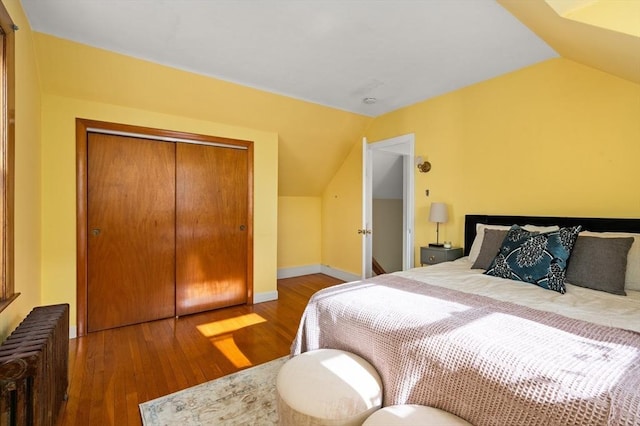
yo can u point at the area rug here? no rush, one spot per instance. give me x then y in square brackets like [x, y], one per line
[247, 397]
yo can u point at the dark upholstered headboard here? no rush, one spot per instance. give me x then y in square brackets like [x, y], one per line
[588, 224]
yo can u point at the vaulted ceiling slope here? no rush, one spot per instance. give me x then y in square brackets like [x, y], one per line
[598, 46]
[324, 57]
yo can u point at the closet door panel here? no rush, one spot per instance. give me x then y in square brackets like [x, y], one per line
[131, 231]
[211, 227]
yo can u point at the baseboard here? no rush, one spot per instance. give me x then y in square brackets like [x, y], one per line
[341, 275]
[298, 271]
[266, 296]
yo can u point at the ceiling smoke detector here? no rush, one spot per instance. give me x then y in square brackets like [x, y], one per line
[369, 101]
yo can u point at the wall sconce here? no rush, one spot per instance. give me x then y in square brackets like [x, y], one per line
[423, 166]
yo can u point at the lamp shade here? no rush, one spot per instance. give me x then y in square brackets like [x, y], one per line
[438, 213]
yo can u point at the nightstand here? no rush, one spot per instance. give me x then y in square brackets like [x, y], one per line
[433, 255]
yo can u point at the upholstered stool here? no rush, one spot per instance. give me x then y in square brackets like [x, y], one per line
[327, 387]
[397, 415]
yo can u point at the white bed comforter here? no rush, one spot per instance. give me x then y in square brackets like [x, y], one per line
[578, 302]
[489, 362]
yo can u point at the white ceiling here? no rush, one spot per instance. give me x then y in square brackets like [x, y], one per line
[330, 52]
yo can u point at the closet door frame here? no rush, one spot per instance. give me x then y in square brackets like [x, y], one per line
[83, 127]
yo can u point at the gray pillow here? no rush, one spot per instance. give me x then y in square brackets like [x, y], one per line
[491, 244]
[599, 263]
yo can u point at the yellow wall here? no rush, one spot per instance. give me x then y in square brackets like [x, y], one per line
[79, 71]
[59, 195]
[27, 176]
[622, 16]
[556, 138]
[81, 81]
[299, 231]
[342, 216]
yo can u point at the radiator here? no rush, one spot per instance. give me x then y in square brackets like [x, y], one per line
[34, 363]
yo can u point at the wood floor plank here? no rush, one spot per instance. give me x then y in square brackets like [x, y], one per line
[96, 388]
[113, 371]
[128, 368]
[77, 361]
[110, 379]
[174, 358]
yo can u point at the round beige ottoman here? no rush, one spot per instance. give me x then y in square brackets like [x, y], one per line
[327, 387]
[419, 415]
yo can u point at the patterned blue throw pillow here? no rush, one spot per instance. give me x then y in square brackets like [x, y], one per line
[536, 258]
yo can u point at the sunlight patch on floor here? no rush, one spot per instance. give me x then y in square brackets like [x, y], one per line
[230, 325]
[228, 347]
[220, 335]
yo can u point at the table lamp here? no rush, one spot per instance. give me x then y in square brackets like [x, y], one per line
[438, 214]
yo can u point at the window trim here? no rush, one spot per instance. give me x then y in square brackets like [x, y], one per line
[7, 157]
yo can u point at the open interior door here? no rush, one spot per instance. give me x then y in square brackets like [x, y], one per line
[402, 146]
[367, 207]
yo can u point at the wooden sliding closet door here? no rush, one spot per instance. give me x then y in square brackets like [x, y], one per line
[211, 227]
[131, 230]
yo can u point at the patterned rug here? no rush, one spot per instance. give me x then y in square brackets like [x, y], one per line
[247, 397]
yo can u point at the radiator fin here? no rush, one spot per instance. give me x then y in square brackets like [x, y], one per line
[34, 368]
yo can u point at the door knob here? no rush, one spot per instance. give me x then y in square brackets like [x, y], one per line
[95, 232]
[242, 227]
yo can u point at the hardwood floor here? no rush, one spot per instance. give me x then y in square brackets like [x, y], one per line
[112, 371]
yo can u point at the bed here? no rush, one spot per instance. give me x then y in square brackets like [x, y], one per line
[495, 350]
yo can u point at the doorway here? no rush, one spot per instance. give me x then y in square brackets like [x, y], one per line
[388, 170]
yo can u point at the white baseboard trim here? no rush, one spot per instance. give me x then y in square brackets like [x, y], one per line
[266, 296]
[304, 270]
[298, 271]
[337, 273]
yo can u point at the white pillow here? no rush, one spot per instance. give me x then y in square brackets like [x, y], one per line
[632, 276]
[480, 227]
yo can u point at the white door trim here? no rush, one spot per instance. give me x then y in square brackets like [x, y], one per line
[367, 208]
[402, 145]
